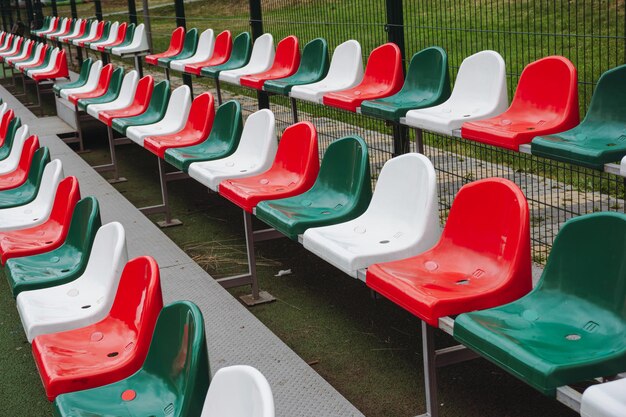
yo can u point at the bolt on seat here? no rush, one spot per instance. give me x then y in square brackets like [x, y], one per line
[545, 101]
[570, 328]
[239, 57]
[172, 381]
[189, 48]
[345, 72]
[427, 84]
[401, 220]
[219, 54]
[342, 192]
[26, 192]
[221, 142]
[601, 137]
[479, 92]
[204, 50]
[603, 400]
[113, 348]
[261, 60]
[286, 62]
[254, 155]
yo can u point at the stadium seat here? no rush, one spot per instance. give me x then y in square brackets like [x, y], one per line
[91, 34]
[545, 101]
[195, 130]
[190, 45]
[78, 303]
[176, 45]
[427, 84]
[35, 59]
[102, 31]
[603, 400]
[313, 67]
[173, 380]
[342, 192]
[239, 57]
[121, 41]
[26, 192]
[113, 348]
[11, 162]
[172, 121]
[107, 37]
[220, 52]
[222, 141]
[9, 126]
[85, 70]
[67, 262]
[204, 50]
[600, 138]
[66, 29]
[79, 30]
[401, 220]
[49, 22]
[122, 100]
[138, 44]
[23, 52]
[482, 259]
[101, 87]
[286, 62]
[141, 97]
[239, 391]
[45, 236]
[112, 90]
[293, 170]
[570, 328]
[261, 60]
[57, 68]
[89, 85]
[155, 111]
[62, 29]
[480, 92]
[90, 30]
[115, 38]
[27, 159]
[345, 71]
[254, 155]
[41, 62]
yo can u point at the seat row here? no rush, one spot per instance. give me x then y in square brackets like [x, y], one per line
[544, 109]
[101, 338]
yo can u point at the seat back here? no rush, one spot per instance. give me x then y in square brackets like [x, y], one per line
[178, 105]
[111, 34]
[139, 37]
[287, 54]
[239, 391]
[315, 61]
[347, 62]
[105, 77]
[384, 66]
[263, 50]
[201, 114]
[258, 137]
[7, 117]
[17, 147]
[129, 85]
[608, 102]
[298, 152]
[85, 67]
[37, 167]
[106, 29]
[143, 92]
[67, 196]
[588, 260]
[27, 156]
[223, 46]
[206, 43]
[14, 125]
[428, 74]
[179, 356]
[407, 190]
[241, 51]
[128, 34]
[85, 226]
[50, 180]
[115, 83]
[191, 42]
[491, 217]
[159, 98]
[228, 124]
[138, 300]
[549, 85]
[121, 33]
[481, 78]
[94, 74]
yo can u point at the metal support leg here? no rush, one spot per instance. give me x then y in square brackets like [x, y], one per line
[294, 109]
[167, 74]
[219, 91]
[138, 66]
[419, 141]
[112, 167]
[164, 207]
[430, 370]
[39, 103]
[79, 130]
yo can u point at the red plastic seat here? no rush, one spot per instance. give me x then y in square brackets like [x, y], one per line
[293, 172]
[99, 31]
[101, 88]
[383, 77]
[121, 34]
[18, 177]
[110, 350]
[39, 61]
[482, 259]
[59, 70]
[46, 236]
[176, 46]
[196, 130]
[286, 63]
[140, 103]
[4, 124]
[221, 53]
[546, 101]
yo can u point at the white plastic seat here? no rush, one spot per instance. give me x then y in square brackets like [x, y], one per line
[73, 32]
[11, 162]
[125, 98]
[402, 219]
[47, 68]
[206, 42]
[93, 30]
[605, 400]
[34, 57]
[90, 85]
[113, 29]
[37, 211]
[479, 92]
[137, 45]
[261, 60]
[239, 391]
[173, 121]
[84, 301]
[62, 27]
[346, 71]
[254, 155]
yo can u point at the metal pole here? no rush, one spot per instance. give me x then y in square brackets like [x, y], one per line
[4, 17]
[98, 6]
[38, 14]
[10, 14]
[395, 34]
[132, 12]
[18, 16]
[53, 4]
[79, 51]
[146, 22]
[181, 21]
[29, 15]
[256, 25]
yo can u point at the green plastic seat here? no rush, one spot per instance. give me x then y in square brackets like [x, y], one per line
[80, 81]
[128, 38]
[7, 145]
[427, 84]
[342, 192]
[313, 67]
[115, 85]
[571, 327]
[27, 192]
[155, 111]
[189, 48]
[172, 382]
[222, 141]
[239, 56]
[61, 265]
[601, 137]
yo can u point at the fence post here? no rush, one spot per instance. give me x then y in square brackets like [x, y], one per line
[29, 15]
[146, 22]
[38, 14]
[18, 15]
[98, 6]
[256, 25]
[181, 21]
[53, 4]
[4, 16]
[132, 17]
[79, 51]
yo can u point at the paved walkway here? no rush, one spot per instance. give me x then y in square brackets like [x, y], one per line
[234, 335]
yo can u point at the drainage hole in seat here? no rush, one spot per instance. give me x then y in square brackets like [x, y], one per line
[65, 270]
[573, 337]
[462, 282]
[384, 241]
[112, 354]
[48, 242]
[85, 307]
[326, 212]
